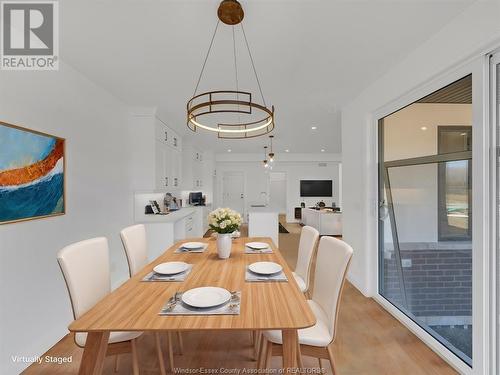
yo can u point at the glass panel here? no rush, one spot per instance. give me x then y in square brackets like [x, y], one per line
[437, 274]
[425, 219]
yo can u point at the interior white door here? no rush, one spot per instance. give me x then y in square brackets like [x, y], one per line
[233, 191]
[277, 190]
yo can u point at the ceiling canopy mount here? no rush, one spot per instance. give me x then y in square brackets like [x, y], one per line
[230, 12]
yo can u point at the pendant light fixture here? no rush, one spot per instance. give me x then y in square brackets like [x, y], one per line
[271, 153]
[237, 114]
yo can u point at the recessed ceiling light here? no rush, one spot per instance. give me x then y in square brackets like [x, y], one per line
[423, 128]
[229, 150]
[314, 127]
[322, 150]
[287, 150]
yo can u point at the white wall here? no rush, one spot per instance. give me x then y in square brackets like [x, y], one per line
[466, 36]
[35, 308]
[415, 189]
[297, 167]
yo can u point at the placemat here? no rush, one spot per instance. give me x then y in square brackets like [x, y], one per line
[183, 250]
[254, 277]
[249, 250]
[153, 276]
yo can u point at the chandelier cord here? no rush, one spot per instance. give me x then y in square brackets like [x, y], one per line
[253, 65]
[236, 73]
[206, 58]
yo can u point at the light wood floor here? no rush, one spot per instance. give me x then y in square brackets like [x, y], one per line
[369, 341]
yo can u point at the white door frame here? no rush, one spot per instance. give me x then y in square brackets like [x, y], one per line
[494, 80]
[481, 208]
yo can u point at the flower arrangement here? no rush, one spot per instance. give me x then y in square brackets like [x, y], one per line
[224, 220]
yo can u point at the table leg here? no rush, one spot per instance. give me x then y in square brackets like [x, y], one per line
[290, 342]
[94, 353]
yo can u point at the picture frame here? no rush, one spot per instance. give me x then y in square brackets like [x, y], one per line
[32, 174]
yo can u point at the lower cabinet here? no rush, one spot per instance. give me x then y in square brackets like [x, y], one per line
[160, 237]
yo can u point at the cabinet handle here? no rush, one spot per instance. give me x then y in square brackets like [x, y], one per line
[166, 181]
[166, 136]
[175, 141]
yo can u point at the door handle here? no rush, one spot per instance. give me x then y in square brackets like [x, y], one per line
[241, 196]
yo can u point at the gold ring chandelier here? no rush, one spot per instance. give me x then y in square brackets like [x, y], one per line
[260, 118]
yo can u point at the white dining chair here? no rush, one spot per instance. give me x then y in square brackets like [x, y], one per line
[135, 243]
[334, 257]
[85, 268]
[307, 244]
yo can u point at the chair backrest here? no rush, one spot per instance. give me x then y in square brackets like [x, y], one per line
[308, 241]
[85, 267]
[334, 257]
[136, 247]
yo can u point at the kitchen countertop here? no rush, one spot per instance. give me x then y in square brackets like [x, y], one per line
[262, 209]
[172, 217]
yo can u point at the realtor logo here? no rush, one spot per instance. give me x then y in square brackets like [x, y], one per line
[29, 39]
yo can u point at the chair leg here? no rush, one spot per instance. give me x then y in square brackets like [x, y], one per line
[320, 365]
[159, 352]
[170, 351]
[181, 343]
[135, 360]
[117, 362]
[299, 357]
[332, 361]
[252, 337]
[257, 337]
[269, 354]
[262, 353]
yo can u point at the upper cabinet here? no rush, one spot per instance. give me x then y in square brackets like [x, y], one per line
[156, 154]
[192, 168]
[167, 136]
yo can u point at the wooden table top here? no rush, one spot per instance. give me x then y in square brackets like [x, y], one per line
[135, 305]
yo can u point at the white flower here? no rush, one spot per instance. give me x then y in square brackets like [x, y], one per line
[223, 225]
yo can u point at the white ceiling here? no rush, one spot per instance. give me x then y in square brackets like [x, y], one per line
[312, 56]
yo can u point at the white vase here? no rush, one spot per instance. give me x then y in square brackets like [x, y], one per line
[224, 243]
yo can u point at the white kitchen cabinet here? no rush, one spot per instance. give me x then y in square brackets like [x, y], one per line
[175, 168]
[168, 167]
[167, 136]
[192, 168]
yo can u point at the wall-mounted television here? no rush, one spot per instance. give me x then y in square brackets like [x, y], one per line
[316, 188]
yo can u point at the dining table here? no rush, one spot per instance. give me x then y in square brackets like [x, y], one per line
[135, 305]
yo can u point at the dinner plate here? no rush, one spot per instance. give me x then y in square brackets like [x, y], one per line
[257, 245]
[265, 268]
[171, 268]
[193, 245]
[205, 297]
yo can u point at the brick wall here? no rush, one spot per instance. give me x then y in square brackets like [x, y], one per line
[438, 283]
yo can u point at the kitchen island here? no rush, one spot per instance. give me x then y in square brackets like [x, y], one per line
[263, 222]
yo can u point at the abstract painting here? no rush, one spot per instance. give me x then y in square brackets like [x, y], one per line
[31, 174]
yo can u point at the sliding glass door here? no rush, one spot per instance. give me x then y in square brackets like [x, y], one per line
[426, 213]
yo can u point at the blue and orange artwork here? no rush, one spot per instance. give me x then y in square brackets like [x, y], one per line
[31, 174]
